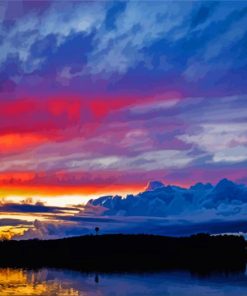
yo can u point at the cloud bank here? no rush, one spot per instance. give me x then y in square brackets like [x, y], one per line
[160, 209]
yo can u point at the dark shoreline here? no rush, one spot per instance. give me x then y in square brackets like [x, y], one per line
[199, 254]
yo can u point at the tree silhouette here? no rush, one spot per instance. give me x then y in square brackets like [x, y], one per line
[96, 230]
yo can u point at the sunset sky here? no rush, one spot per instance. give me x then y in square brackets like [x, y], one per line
[101, 97]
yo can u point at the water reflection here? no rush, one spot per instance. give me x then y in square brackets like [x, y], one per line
[50, 282]
[42, 282]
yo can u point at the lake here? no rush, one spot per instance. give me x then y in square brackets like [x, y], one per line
[51, 282]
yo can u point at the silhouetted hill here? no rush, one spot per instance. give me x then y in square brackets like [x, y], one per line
[127, 252]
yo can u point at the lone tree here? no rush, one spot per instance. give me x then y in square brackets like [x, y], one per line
[96, 230]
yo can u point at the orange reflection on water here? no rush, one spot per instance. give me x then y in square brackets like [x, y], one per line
[20, 282]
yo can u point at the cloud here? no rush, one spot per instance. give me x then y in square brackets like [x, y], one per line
[153, 106]
[188, 132]
[147, 161]
[11, 227]
[138, 26]
[232, 154]
[13, 222]
[226, 142]
[230, 25]
[78, 44]
[163, 210]
[10, 207]
[132, 225]
[135, 117]
[59, 20]
[52, 230]
[200, 200]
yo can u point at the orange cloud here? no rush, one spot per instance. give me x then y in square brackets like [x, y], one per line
[8, 232]
[15, 142]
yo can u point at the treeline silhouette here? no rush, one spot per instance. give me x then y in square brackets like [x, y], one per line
[199, 253]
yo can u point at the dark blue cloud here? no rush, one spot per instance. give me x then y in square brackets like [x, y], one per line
[14, 222]
[82, 219]
[176, 59]
[32, 208]
[224, 199]
[202, 14]
[115, 9]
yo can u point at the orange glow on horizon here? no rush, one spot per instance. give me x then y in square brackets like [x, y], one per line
[31, 183]
[70, 189]
[62, 196]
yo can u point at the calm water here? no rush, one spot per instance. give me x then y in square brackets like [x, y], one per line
[52, 282]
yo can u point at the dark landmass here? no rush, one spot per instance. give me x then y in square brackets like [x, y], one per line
[106, 253]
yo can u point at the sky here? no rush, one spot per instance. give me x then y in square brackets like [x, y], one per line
[100, 97]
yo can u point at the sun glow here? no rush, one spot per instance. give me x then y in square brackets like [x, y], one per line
[61, 196]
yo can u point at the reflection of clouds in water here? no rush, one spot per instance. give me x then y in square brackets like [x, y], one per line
[50, 282]
[21, 282]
